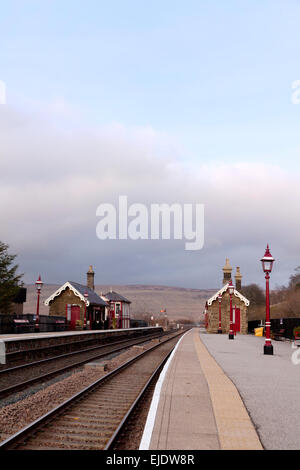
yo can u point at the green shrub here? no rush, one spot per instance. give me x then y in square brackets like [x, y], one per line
[296, 330]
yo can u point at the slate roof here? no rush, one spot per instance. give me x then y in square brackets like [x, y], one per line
[115, 297]
[79, 290]
[93, 298]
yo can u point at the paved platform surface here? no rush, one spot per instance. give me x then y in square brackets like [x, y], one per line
[196, 406]
[268, 385]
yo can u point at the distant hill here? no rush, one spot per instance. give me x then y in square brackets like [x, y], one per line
[180, 302]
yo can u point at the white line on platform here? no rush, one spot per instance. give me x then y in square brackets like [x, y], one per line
[147, 434]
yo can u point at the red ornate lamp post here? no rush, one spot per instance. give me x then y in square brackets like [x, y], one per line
[220, 325]
[267, 265]
[85, 302]
[206, 316]
[230, 289]
[39, 285]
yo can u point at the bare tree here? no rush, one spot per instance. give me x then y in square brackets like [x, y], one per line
[254, 294]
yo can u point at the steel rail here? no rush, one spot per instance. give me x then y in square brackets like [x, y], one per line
[21, 385]
[128, 415]
[39, 423]
[74, 353]
[70, 343]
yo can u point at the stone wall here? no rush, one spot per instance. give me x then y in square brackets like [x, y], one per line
[58, 305]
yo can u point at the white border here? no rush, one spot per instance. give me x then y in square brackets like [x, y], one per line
[148, 429]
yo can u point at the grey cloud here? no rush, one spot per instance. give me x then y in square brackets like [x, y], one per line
[54, 175]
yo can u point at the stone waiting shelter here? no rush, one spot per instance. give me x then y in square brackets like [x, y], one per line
[74, 301]
[239, 304]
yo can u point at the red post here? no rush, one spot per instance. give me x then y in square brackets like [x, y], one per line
[267, 264]
[231, 334]
[86, 296]
[220, 321]
[268, 343]
[230, 289]
[84, 321]
[39, 285]
[37, 324]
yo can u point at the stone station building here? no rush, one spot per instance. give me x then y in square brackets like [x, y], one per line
[72, 300]
[239, 304]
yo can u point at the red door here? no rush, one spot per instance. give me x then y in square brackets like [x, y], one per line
[75, 315]
[237, 319]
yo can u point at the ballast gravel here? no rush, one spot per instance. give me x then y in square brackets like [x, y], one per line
[15, 416]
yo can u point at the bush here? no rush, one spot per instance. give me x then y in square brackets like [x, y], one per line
[296, 330]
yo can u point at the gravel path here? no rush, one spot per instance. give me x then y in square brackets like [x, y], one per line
[268, 385]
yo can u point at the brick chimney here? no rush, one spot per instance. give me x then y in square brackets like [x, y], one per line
[90, 278]
[238, 279]
[227, 272]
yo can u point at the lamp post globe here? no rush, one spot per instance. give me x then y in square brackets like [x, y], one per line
[220, 321]
[230, 290]
[39, 284]
[267, 265]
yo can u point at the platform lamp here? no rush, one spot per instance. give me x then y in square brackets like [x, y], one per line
[220, 323]
[39, 284]
[230, 289]
[267, 265]
[86, 295]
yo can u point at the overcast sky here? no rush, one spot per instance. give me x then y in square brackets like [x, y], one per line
[162, 101]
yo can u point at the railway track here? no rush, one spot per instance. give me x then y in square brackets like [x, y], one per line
[94, 418]
[16, 378]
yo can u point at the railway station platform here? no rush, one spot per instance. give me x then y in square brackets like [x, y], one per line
[30, 341]
[195, 406]
[57, 334]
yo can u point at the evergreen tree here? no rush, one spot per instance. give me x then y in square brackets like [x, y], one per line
[9, 280]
